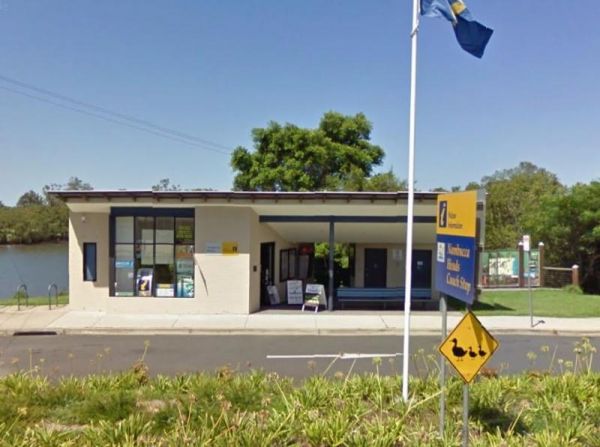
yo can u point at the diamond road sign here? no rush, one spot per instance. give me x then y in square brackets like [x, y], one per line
[468, 347]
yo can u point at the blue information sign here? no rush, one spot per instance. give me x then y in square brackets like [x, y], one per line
[455, 273]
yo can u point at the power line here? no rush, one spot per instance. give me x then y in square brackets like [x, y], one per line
[115, 121]
[121, 116]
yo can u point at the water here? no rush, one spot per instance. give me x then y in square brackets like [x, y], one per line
[37, 266]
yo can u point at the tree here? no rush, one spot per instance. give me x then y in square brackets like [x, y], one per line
[30, 198]
[569, 226]
[76, 184]
[514, 196]
[290, 158]
[2, 205]
[73, 184]
[165, 185]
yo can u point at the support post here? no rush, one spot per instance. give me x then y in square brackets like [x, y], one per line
[575, 275]
[411, 199]
[444, 311]
[541, 263]
[465, 430]
[521, 266]
[331, 266]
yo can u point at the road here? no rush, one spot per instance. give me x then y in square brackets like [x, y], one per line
[61, 355]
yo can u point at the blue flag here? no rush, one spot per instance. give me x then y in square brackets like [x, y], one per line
[472, 36]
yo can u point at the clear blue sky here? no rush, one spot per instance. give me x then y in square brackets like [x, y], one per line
[217, 68]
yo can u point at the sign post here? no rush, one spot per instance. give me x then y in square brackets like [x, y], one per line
[456, 275]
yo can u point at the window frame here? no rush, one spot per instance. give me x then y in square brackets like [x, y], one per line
[154, 213]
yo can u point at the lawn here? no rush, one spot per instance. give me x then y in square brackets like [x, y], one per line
[546, 303]
[36, 300]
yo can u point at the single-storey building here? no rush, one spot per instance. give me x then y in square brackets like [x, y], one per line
[234, 252]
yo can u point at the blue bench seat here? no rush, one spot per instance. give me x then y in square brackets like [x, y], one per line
[379, 295]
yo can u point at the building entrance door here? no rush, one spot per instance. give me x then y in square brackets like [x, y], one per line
[375, 267]
[267, 270]
[421, 269]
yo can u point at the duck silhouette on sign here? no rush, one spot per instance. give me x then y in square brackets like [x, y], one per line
[457, 351]
[472, 353]
[481, 352]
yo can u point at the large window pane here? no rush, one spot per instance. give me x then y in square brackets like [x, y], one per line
[144, 255]
[144, 230]
[165, 230]
[154, 255]
[165, 271]
[124, 230]
[184, 255]
[184, 230]
[124, 281]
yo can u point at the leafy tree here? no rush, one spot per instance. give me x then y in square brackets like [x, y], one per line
[514, 196]
[569, 226]
[2, 204]
[76, 184]
[73, 184]
[165, 185]
[385, 182]
[290, 158]
[30, 198]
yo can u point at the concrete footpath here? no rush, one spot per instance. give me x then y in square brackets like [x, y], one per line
[63, 320]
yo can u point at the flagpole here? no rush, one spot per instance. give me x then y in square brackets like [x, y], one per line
[411, 199]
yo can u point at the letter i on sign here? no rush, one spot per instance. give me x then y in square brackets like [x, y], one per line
[443, 214]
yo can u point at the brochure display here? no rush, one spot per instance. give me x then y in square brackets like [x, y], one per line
[315, 296]
[294, 292]
[273, 295]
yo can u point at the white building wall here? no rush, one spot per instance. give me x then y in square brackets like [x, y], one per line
[88, 227]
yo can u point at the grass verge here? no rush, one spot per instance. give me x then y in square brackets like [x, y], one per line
[546, 303]
[63, 299]
[225, 409]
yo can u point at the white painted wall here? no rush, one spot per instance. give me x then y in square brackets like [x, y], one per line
[88, 227]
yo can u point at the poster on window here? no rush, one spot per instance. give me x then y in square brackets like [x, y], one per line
[185, 286]
[294, 292]
[143, 282]
[165, 290]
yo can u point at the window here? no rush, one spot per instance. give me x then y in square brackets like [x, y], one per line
[153, 252]
[89, 261]
[287, 264]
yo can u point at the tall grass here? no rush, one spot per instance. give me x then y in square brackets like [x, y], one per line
[263, 409]
[555, 406]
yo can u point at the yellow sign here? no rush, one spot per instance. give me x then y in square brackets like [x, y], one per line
[468, 347]
[457, 214]
[229, 248]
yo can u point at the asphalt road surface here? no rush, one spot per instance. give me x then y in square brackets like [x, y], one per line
[61, 355]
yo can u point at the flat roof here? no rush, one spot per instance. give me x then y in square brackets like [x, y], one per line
[242, 195]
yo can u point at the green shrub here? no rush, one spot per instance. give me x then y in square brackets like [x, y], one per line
[572, 288]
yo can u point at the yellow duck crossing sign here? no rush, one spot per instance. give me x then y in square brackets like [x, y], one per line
[468, 347]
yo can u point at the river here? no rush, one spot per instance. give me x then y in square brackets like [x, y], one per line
[37, 266]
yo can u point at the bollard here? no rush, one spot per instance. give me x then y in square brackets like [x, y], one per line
[575, 275]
